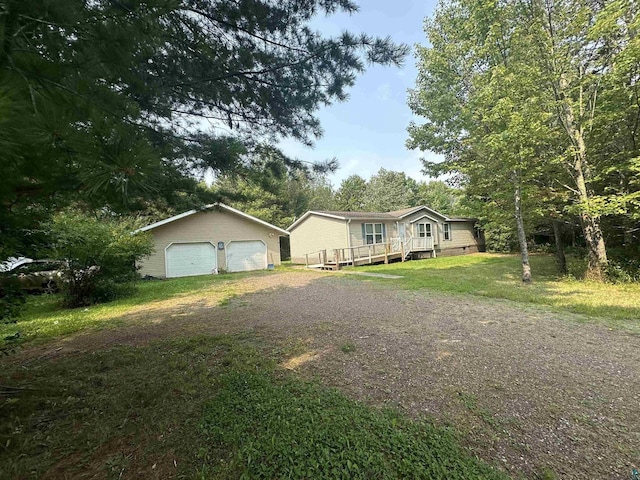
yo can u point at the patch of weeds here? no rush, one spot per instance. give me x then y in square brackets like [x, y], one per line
[116, 465]
[347, 347]
[584, 419]
[470, 401]
[290, 348]
[266, 426]
[323, 327]
[547, 474]
[226, 301]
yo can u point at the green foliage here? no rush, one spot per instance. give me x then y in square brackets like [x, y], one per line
[12, 299]
[348, 348]
[388, 190]
[99, 254]
[442, 198]
[261, 427]
[352, 194]
[496, 276]
[276, 193]
[122, 104]
[622, 273]
[539, 97]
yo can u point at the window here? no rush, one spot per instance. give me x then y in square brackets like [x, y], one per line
[372, 233]
[447, 231]
[424, 230]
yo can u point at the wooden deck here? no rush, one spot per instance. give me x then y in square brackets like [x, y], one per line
[394, 249]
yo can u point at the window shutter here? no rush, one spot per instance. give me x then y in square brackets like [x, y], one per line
[384, 232]
[364, 237]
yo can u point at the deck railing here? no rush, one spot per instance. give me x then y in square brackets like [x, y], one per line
[352, 254]
[320, 255]
[362, 251]
[424, 243]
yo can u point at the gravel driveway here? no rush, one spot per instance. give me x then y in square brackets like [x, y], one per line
[537, 392]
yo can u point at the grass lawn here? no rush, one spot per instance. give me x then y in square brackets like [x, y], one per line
[44, 318]
[206, 407]
[498, 276]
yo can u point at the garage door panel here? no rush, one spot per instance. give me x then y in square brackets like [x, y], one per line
[188, 259]
[246, 255]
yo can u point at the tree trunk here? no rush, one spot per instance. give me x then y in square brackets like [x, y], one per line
[522, 238]
[561, 260]
[597, 252]
[574, 128]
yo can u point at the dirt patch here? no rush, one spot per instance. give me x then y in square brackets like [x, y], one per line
[530, 390]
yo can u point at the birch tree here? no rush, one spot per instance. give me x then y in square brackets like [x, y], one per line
[559, 74]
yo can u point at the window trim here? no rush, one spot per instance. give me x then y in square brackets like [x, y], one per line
[428, 232]
[446, 232]
[373, 233]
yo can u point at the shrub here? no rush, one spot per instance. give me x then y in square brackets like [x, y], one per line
[621, 273]
[99, 255]
[12, 298]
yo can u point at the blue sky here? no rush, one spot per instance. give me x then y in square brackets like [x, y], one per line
[369, 130]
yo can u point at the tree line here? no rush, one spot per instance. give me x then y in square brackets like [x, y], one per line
[535, 105]
[281, 197]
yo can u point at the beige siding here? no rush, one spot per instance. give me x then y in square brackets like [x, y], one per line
[461, 236]
[355, 231]
[210, 226]
[419, 217]
[317, 233]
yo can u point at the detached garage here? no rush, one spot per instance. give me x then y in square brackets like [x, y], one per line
[218, 237]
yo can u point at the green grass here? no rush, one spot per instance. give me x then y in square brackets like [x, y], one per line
[44, 317]
[207, 407]
[498, 276]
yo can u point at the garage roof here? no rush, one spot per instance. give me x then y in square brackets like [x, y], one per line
[208, 207]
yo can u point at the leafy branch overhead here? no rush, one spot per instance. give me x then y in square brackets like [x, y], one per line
[121, 103]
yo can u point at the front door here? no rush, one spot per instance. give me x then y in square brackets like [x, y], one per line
[402, 231]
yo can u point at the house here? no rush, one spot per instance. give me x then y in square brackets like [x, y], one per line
[215, 238]
[320, 237]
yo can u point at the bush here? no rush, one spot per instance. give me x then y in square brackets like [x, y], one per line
[621, 273]
[12, 298]
[500, 239]
[99, 256]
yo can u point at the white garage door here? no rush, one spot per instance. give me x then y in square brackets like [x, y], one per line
[246, 255]
[187, 259]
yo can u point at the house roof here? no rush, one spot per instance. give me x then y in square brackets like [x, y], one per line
[366, 215]
[461, 219]
[222, 206]
[406, 211]
[393, 215]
